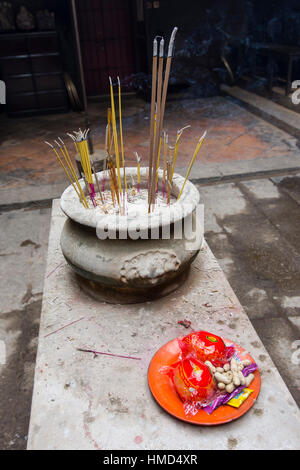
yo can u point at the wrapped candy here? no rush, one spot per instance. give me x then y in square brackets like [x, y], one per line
[193, 381]
[225, 398]
[206, 346]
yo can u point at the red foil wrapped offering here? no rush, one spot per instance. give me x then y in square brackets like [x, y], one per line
[193, 381]
[206, 346]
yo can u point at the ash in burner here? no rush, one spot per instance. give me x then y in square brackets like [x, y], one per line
[135, 203]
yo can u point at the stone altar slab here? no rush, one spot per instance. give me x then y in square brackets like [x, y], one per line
[103, 402]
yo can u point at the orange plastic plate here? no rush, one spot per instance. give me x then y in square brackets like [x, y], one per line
[165, 393]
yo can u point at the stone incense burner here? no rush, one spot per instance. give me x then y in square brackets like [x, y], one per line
[126, 270]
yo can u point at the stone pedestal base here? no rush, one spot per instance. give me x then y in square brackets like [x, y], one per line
[125, 271]
[128, 295]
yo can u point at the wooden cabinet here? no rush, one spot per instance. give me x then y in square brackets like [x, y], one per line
[30, 65]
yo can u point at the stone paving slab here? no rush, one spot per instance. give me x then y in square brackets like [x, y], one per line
[252, 230]
[23, 251]
[23, 244]
[82, 402]
[237, 142]
[284, 117]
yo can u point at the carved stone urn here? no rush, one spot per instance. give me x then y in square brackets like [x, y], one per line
[144, 256]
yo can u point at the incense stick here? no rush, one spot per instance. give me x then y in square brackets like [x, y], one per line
[167, 75]
[114, 179]
[179, 134]
[152, 113]
[133, 187]
[112, 163]
[84, 157]
[105, 158]
[200, 142]
[157, 132]
[157, 166]
[166, 81]
[138, 168]
[115, 135]
[109, 124]
[97, 182]
[165, 163]
[121, 134]
[169, 186]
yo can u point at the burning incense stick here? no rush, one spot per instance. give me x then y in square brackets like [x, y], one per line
[115, 135]
[138, 167]
[152, 113]
[169, 186]
[157, 133]
[162, 100]
[167, 75]
[157, 166]
[166, 80]
[121, 134]
[200, 142]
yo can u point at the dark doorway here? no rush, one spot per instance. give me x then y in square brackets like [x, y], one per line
[106, 36]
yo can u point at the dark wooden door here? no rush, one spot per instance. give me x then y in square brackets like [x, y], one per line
[106, 37]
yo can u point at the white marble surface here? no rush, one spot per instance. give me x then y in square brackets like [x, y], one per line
[82, 402]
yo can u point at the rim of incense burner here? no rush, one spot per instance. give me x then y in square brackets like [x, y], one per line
[187, 203]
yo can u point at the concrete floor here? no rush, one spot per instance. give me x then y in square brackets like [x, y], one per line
[233, 135]
[253, 229]
[252, 226]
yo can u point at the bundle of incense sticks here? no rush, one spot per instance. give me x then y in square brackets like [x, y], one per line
[112, 162]
[68, 167]
[158, 103]
[158, 100]
[80, 141]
